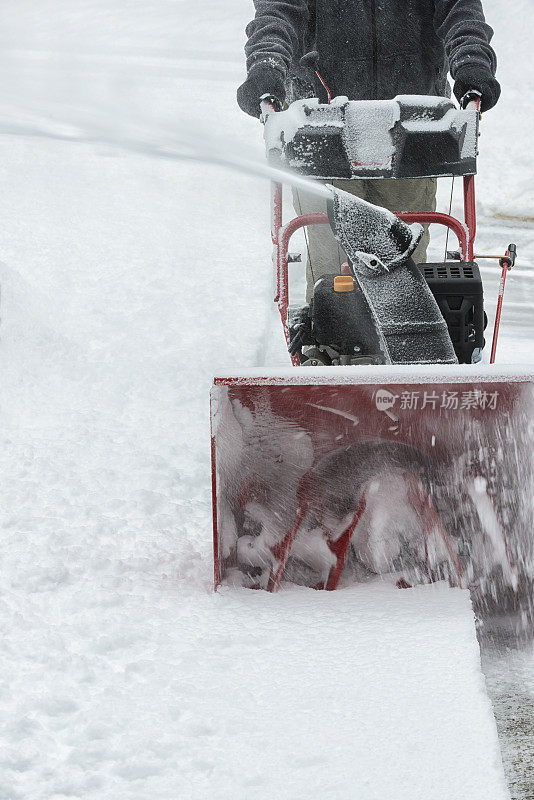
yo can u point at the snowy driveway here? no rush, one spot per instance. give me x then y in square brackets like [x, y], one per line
[127, 280]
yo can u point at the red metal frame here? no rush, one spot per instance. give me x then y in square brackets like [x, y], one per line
[281, 235]
[421, 502]
[328, 92]
[282, 550]
[216, 557]
[506, 264]
[470, 214]
[340, 547]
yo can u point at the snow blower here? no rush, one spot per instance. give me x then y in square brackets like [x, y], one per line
[389, 446]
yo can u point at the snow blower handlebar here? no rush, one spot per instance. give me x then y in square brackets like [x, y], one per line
[506, 262]
[267, 106]
[473, 97]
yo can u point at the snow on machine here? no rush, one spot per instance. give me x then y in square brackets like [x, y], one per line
[388, 447]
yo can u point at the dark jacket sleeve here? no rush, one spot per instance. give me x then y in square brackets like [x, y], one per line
[465, 33]
[276, 32]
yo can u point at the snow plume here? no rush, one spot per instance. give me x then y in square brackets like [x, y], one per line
[118, 122]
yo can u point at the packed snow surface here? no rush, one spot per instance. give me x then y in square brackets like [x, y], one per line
[510, 682]
[128, 278]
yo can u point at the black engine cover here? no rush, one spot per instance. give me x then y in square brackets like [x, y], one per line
[457, 288]
[343, 320]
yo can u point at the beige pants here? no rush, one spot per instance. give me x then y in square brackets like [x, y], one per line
[325, 256]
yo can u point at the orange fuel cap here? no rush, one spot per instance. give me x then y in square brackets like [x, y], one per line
[343, 283]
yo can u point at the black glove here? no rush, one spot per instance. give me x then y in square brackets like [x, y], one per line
[263, 79]
[476, 77]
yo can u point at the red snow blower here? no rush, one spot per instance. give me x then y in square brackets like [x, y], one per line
[388, 447]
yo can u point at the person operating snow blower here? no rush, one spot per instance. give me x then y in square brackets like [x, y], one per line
[366, 50]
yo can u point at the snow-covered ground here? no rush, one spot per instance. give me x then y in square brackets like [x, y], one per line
[507, 662]
[127, 279]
